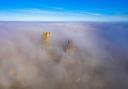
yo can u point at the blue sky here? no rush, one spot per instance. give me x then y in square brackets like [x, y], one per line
[64, 10]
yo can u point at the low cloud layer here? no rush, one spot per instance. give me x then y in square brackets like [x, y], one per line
[99, 61]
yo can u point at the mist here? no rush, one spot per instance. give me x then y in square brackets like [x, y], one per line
[99, 59]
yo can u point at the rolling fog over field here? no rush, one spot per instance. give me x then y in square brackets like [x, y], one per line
[100, 60]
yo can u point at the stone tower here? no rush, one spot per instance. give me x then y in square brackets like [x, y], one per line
[46, 39]
[70, 47]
